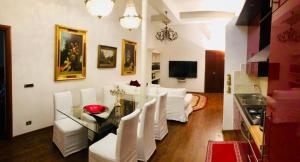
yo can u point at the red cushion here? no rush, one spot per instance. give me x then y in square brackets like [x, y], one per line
[94, 109]
[135, 83]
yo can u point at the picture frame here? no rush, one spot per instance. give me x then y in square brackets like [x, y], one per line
[128, 57]
[107, 57]
[70, 53]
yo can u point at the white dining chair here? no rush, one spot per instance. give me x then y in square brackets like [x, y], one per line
[146, 142]
[120, 147]
[68, 136]
[88, 97]
[160, 117]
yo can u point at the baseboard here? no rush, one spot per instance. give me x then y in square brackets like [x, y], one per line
[32, 132]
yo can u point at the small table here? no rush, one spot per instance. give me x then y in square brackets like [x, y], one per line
[105, 122]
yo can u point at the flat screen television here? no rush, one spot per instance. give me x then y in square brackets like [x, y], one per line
[183, 69]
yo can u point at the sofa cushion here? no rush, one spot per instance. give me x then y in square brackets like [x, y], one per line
[135, 83]
[188, 100]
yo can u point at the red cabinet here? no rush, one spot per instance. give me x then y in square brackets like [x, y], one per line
[259, 69]
[259, 38]
[253, 48]
[253, 40]
[282, 124]
[237, 118]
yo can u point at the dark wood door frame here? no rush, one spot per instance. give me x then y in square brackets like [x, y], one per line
[8, 68]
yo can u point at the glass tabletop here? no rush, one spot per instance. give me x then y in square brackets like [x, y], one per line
[105, 121]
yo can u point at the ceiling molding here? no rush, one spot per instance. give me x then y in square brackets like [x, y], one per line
[177, 17]
[160, 7]
[206, 15]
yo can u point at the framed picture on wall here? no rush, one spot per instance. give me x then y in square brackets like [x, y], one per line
[70, 53]
[128, 57]
[107, 57]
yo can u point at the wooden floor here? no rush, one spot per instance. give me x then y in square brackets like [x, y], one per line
[184, 142]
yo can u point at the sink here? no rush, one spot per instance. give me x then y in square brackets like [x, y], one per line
[253, 105]
[251, 99]
[252, 102]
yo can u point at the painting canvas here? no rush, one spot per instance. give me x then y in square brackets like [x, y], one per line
[107, 57]
[70, 53]
[128, 57]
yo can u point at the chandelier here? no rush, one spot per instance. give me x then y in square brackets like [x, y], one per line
[99, 8]
[166, 33]
[130, 19]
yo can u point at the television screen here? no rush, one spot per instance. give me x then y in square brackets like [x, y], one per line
[183, 69]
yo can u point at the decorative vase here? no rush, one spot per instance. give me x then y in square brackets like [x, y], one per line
[118, 93]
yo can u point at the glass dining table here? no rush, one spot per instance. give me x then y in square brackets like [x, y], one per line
[103, 123]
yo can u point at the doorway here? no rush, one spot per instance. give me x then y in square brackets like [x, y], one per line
[214, 71]
[5, 83]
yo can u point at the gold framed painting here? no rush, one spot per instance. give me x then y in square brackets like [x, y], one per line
[128, 57]
[70, 53]
[107, 57]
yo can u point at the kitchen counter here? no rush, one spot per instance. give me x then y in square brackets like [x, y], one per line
[257, 135]
[254, 130]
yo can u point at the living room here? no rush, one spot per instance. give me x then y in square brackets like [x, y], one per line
[51, 47]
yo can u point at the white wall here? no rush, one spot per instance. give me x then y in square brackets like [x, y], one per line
[235, 55]
[33, 30]
[191, 44]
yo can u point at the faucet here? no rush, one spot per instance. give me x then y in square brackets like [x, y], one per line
[257, 87]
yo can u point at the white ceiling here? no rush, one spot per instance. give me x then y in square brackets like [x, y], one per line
[204, 5]
[198, 11]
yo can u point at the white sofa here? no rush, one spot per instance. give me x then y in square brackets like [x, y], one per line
[178, 101]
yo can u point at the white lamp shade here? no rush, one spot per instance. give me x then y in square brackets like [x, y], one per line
[130, 19]
[130, 22]
[100, 8]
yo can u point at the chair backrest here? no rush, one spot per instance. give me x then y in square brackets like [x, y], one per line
[126, 135]
[88, 96]
[162, 104]
[146, 130]
[108, 99]
[62, 101]
[180, 92]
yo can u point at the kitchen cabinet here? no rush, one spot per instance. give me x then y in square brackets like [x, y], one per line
[237, 118]
[259, 69]
[258, 35]
[282, 124]
[252, 133]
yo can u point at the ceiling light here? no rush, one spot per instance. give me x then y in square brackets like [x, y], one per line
[166, 33]
[99, 8]
[130, 19]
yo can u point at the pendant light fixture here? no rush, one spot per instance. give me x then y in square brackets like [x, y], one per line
[166, 33]
[99, 8]
[130, 19]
